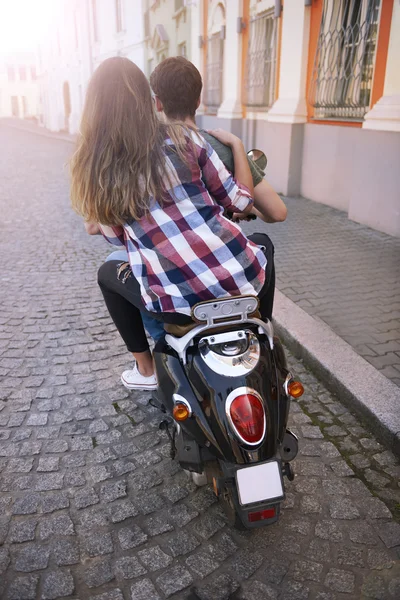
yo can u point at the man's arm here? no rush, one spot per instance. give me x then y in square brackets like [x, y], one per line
[268, 206]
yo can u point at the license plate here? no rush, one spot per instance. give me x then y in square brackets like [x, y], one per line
[260, 482]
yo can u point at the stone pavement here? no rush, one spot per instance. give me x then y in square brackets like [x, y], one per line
[343, 273]
[91, 506]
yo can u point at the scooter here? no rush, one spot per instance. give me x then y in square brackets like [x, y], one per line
[225, 387]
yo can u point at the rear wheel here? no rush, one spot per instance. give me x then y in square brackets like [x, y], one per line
[226, 499]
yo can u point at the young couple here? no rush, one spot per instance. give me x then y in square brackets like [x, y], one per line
[159, 188]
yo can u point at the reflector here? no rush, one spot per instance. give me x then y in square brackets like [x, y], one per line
[180, 412]
[247, 414]
[261, 515]
[295, 389]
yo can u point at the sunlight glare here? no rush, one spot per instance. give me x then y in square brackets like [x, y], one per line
[24, 23]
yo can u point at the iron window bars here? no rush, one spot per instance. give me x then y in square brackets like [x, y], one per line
[214, 72]
[344, 62]
[261, 61]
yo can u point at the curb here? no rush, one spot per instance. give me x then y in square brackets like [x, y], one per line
[37, 130]
[359, 386]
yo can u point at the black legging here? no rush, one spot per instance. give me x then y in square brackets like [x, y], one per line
[124, 302]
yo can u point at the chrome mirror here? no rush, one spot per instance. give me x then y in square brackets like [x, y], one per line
[259, 158]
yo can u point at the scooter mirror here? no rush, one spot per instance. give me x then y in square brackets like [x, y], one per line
[259, 158]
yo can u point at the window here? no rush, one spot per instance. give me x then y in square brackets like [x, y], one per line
[182, 50]
[345, 58]
[33, 73]
[214, 71]
[147, 24]
[95, 23]
[11, 73]
[260, 81]
[76, 31]
[14, 106]
[24, 106]
[22, 73]
[118, 14]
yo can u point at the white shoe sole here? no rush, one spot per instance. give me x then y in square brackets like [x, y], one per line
[137, 386]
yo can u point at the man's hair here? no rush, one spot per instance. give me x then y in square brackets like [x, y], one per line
[178, 84]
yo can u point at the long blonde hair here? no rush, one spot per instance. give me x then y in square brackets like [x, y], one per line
[120, 164]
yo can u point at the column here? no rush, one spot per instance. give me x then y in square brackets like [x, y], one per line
[385, 114]
[196, 30]
[291, 105]
[231, 107]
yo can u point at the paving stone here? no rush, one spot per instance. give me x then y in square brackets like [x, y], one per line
[342, 508]
[370, 444]
[57, 584]
[37, 419]
[114, 594]
[92, 517]
[144, 590]
[255, 590]
[310, 505]
[26, 505]
[306, 570]
[56, 525]
[53, 502]
[99, 473]
[112, 491]
[375, 508]
[48, 482]
[394, 588]
[379, 559]
[341, 469]
[319, 550]
[130, 537]
[362, 533]
[154, 558]
[149, 503]
[65, 552]
[22, 531]
[32, 557]
[374, 587]
[390, 534]
[208, 525]
[294, 590]
[311, 432]
[98, 544]
[376, 479]
[30, 448]
[20, 465]
[360, 461]
[175, 492]
[157, 525]
[245, 563]
[4, 559]
[174, 580]
[85, 497]
[328, 530]
[48, 463]
[119, 511]
[129, 567]
[23, 588]
[97, 572]
[352, 557]
[340, 581]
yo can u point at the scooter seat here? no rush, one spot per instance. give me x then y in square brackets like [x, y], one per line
[179, 331]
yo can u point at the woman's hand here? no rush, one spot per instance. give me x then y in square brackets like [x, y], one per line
[225, 137]
[92, 228]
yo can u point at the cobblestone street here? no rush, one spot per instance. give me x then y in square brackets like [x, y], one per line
[91, 505]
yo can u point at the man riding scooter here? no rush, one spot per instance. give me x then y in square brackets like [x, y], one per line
[177, 87]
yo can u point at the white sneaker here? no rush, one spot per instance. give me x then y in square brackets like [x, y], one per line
[133, 380]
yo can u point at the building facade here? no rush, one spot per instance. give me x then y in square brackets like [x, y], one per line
[19, 90]
[316, 85]
[313, 83]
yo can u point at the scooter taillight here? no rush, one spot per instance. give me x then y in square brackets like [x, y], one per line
[248, 417]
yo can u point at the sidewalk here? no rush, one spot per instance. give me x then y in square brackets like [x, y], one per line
[343, 273]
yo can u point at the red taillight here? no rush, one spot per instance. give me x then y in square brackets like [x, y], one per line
[261, 515]
[247, 414]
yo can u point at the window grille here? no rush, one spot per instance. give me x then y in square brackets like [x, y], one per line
[260, 80]
[214, 72]
[345, 58]
[118, 14]
[95, 23]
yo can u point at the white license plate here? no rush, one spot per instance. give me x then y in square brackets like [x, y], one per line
[258, 483]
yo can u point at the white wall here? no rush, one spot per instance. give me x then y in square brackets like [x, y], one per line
[26, 88]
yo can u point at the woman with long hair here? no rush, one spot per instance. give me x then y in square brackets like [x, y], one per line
[160, 191]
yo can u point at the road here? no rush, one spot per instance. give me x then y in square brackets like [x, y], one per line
[91, 505]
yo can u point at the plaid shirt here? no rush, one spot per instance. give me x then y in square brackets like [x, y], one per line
[189, 252]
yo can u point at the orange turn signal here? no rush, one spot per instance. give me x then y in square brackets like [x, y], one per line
[295, 389]
[180, 412]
